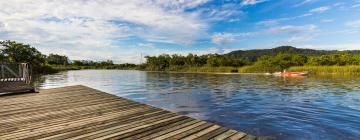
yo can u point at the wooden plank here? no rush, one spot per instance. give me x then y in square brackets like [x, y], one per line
[147, 127]
[92, 131]
[201, 133]
[124, 126]
[68, 112]
[168, 130]
[155, 130]
[41, 96]
[38, 123]
[52, 102]
[236, 136]
[48, 120]
[179, 131]
[60, 93]
[248, 137]
[40, 100]
[56, 108]
[212, 134]
[30, 114]
[44, 91]
[224, 135]
[190, 132]
[131, 131]
[101, 118]
[44, 97]
[65, 127]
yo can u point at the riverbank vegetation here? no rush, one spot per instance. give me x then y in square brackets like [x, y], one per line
[95, 65]
[248, 61]
[14, 52]
[273, 60]
[326, 70]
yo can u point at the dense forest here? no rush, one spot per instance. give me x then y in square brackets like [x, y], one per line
[252, 55]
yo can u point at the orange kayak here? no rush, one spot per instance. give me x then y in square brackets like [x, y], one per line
[294, 73]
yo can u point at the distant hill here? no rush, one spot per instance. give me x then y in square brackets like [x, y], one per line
[252, 55]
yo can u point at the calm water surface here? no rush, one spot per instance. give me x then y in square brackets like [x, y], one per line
[278, 108]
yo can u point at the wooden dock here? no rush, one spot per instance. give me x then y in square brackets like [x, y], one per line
[79, 112]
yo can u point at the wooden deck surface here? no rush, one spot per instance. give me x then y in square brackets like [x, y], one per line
[79, 112]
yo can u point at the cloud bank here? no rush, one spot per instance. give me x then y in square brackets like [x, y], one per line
[86, 26]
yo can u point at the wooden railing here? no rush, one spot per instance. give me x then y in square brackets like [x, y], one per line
[15, 73]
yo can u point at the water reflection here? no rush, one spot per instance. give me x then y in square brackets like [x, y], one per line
[322, 107]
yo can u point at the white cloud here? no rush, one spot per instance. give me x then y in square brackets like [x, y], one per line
[92, 26]
[271, 22]
[345, 46]
[223, 38]
[304, 2]
[354, 23]
[304, 33]
[356, 4]
[225, 12]
[180, 4]
[295, 40]
[252, 2]
[228, 38]
[216, 50]
[290, 29]
[299, 39]
[320, 9]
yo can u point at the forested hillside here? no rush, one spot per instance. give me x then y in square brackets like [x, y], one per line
[252, 55]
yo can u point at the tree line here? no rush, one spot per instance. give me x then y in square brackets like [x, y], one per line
[14, 52]
[265, 63]
[270, 60]
[167, 62]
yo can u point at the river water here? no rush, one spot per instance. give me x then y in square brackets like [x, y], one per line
[311, 108]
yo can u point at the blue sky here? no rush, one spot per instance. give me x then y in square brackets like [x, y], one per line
[122, 30]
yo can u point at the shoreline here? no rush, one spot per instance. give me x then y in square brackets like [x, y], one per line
[220, 73]
[314, 70]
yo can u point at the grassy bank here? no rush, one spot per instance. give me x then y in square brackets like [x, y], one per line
[317, 70]
[253, 69]
[326, 70]
[201, 69]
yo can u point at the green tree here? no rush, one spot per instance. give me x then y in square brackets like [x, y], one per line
[159, 63]
[213, 60]
[57, 59]
[299, 60]
[3, 58]
[105, 63]
[21, 53]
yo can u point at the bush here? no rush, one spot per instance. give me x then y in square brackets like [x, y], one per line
[321, 70]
